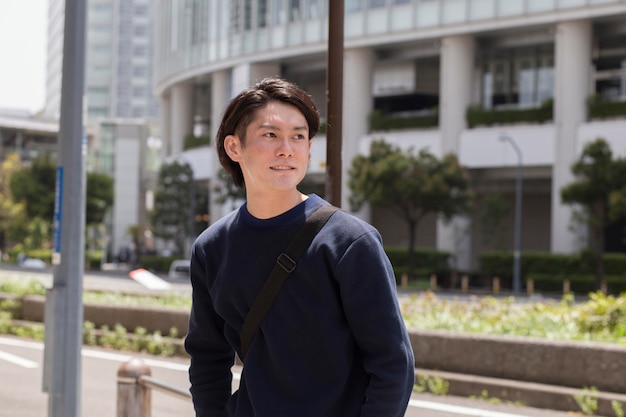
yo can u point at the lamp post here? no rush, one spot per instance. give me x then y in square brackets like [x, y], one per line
[518, 214]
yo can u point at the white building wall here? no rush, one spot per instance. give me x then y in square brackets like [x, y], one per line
[127, 191]
[455, 95]
[573, 77]
[357, 105]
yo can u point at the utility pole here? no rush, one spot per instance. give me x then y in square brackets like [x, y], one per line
[517, 238]
[334, 101]
[64, 309]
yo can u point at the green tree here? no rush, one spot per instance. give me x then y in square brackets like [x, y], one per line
[35, 188]
[600, 193]
[9, 210]
[99, 197]
[225, 189]
[493, 210]
[410, 185]
[170, 218]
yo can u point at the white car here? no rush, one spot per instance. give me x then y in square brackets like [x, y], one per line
[33, 263]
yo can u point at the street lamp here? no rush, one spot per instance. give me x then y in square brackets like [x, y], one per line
[518, 214]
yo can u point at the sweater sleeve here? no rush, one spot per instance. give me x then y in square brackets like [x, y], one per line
[368, 292]
[211, 356]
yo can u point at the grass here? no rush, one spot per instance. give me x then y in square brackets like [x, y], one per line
[600, 318]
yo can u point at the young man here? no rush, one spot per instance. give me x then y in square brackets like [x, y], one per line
[333, 343]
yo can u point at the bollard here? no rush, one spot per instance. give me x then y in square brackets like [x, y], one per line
[530, 286]
[566, 286]
[496, 285]
[133, 398]
[464, 283]
[433, 282]
[404, 280]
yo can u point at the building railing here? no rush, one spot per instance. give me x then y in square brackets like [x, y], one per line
[134, 389]
[412, 20]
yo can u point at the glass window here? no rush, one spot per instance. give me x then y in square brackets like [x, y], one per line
[518, 77]
[139, 91]
[372, 4]
[278, 12]
[140, 71]
[313, 9]
[352, 5]
[294, 11]
[141, 10]
[247, 15]
[262, 13]
[235, 17]
[140, 30]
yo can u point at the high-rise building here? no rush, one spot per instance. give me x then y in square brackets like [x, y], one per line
[443, 75]
[118, 68]
[120, 110]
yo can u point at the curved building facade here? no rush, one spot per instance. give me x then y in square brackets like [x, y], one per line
[465, 73]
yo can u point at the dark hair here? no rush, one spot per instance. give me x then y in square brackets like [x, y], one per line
[240, 112]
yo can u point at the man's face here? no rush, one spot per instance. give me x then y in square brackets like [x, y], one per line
[275, 155]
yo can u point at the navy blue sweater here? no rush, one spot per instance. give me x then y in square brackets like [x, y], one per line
[333, 344]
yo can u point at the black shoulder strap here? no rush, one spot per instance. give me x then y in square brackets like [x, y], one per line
[285, 264]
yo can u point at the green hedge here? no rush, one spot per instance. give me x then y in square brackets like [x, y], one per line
[600, 108]
[156, 263]
[477, 116]
[381, 122]
[192, 142]
[579, 283]
[427, 261]
[554, 268]
[93, 258]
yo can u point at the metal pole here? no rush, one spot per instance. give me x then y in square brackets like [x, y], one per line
[334, 101]
[518, 215]
[64, 312]
[192, 212]
[133, 399]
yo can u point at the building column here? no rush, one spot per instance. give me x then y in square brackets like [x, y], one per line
[166, 126]
[572, 76]
[357, 106]
[220, 93]
[455, 95]
[181, 110]
[245, 75]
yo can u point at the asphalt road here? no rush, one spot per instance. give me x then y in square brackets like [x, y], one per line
[21, 373]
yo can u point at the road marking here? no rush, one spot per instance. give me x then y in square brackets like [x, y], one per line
[98, 354]
[21, 343]
[17, 360]
[466, 411]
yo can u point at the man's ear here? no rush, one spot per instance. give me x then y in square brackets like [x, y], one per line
[232, 146]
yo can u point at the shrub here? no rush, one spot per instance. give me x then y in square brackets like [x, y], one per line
[427, 261]
[383, 122]
[601, 108]
[478, 116]
[192, 141]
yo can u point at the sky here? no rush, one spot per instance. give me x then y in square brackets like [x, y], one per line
[23, 26]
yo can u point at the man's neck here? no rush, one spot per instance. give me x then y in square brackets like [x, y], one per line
[268, 206]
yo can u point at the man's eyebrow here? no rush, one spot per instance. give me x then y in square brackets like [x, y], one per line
[274, 127]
